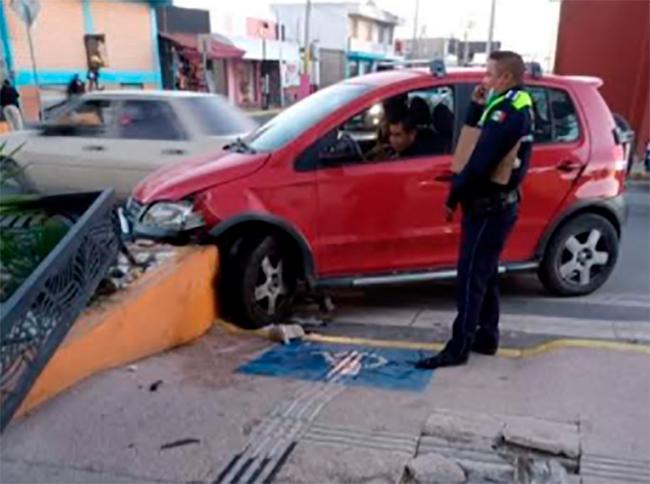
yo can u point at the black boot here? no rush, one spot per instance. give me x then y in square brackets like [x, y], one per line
[485, 345]
[442, 359]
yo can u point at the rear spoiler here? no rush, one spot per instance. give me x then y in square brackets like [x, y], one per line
[591, 80]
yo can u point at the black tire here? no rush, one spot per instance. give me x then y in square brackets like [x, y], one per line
[574, 263]
[260, 268]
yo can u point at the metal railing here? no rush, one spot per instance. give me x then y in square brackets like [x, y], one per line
[36, 318]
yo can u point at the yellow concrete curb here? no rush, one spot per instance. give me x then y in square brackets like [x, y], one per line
[504, 352]
[169, 306]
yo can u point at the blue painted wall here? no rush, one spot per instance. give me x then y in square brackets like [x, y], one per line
[4, 38]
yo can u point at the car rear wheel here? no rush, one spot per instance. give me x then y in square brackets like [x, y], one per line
[262, 284]
[580, 257]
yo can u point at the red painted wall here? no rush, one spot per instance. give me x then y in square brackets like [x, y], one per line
[610, 39]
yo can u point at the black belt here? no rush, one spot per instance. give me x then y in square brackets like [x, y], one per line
[493, 202]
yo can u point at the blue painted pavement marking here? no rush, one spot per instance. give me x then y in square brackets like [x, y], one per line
[390, 369]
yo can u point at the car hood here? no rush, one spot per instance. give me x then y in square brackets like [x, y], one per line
[177, 181]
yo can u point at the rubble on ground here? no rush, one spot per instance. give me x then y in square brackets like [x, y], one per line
[141, 256]
[494, 449]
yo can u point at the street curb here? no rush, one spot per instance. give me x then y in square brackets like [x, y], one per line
[168, 307]
[556, 344]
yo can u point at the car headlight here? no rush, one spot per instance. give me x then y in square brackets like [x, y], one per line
[173, 216]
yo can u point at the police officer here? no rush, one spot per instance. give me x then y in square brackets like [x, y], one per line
[503, 111]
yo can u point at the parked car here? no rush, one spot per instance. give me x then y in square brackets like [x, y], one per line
[115, 138]
[296, 200]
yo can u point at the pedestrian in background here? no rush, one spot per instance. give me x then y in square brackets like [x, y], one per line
[95, 64]
[503, 111]
[10, 107]
[75, 87]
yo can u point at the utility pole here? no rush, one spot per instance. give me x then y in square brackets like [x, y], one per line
[307, 22]
[469, 26]
[28, 11]
[488, 49]
[280, 39]
[414, 50]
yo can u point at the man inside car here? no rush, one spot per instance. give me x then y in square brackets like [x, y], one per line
[404, 140]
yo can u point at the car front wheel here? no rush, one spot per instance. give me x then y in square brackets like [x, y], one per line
[580, 257]
[264, 284]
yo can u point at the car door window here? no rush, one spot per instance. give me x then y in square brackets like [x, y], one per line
[410, 125]
[92, 118]
[556, 120]
[543, 132]
[149, 120]
[565, 119]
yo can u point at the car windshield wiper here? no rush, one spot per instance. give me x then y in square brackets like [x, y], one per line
[240, 146]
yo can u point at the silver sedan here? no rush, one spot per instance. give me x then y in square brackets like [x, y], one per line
[115, 138]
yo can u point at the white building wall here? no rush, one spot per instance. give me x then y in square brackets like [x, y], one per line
[328, 26]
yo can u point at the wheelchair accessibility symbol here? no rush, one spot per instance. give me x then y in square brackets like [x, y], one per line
[349, 365]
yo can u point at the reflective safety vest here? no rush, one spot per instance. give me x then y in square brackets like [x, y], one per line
[519, 100]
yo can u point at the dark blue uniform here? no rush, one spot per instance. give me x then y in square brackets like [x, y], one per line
[489, 213]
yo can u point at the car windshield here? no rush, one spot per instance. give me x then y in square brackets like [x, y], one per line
[218, 118]
[303, 115]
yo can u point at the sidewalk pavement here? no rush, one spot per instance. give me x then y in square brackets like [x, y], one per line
[188, 416]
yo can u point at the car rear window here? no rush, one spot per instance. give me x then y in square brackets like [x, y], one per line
[556, 119]
[218, 118]
[303, 115]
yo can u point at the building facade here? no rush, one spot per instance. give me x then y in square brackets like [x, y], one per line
[268, 73]
[346, 39]
[454, 51]
[64, 36]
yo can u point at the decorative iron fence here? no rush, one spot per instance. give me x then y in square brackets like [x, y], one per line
[37, 316]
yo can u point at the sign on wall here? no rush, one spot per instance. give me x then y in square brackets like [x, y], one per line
[96, 54]
[27, 10]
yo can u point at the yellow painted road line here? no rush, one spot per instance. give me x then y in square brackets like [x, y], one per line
[539, 349]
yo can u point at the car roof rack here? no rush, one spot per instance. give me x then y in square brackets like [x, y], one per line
[534, 69]
[436, 66]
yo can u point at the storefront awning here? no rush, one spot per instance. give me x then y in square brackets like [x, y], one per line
[366, 56]
[216, 49]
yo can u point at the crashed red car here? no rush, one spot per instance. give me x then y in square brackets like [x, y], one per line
[299, 200]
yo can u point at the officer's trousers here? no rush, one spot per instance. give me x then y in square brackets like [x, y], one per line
[484, 233]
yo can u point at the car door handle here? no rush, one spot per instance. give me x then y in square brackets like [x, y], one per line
[173, 151]
[568, 166]
[444, 177]
[94, 148]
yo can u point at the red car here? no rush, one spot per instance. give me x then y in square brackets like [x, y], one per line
[312, 197]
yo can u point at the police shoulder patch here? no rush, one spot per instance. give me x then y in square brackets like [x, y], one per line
[498, 116]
